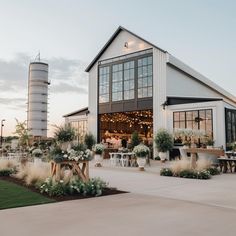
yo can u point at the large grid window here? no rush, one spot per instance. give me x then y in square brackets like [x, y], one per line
[129, 80]
[104, 84]
[145, 77]
[117, 82]
[198, 119]
[230, 122]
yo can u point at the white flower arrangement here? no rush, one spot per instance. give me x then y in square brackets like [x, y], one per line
[37, 152]
[79, 155]
[73, 155]
[188, 135]
[98, 148]
[141, 150]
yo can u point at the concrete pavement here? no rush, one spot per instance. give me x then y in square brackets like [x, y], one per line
[156, 206]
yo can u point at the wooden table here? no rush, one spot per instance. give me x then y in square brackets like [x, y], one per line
[194, 151]
[227, 164]
[81, 168]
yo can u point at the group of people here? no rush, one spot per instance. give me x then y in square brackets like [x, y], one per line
[124, 142]
[115, 142]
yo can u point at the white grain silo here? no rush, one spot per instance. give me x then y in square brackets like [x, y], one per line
[37, 99]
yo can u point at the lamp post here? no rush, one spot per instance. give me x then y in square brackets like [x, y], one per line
[1, 130]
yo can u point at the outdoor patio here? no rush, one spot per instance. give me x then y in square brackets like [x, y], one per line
[217, 191]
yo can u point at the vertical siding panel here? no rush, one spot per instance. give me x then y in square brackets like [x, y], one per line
[93, 116]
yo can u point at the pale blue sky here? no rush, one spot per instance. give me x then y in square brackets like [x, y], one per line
[69, 33]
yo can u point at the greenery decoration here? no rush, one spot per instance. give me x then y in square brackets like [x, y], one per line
[141, 150]
[98, 148]
[163, 140]
[89, 141]
[94, 187]
[135, 141]
[64, 133]
[166, 172]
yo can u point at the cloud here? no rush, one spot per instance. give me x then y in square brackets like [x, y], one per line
[68, 70]
[64, 88]
[14, 73]
[14, 103]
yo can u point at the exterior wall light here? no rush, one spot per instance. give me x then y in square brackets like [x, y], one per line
[164, 105]
[126, 45]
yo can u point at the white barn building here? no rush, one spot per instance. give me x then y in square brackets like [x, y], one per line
[135, 85]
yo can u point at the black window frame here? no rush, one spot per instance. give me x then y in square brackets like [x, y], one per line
[197, 119]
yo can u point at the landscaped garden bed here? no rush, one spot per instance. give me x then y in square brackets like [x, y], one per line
[34, 184]
[182, 169]
[30, 188]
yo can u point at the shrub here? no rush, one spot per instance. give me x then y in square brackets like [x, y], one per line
[180, 165]
[64, 133]
[204, 174]
[8, 164]
[203, 164]
[32, 174]
[6, 172]
[166, 172]
[213, 171]
[191, 174]
[163, 141]
[53, 188]
[94, 187]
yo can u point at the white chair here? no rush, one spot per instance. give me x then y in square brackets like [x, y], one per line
[124, 160]
[113, 159]
[183, 153]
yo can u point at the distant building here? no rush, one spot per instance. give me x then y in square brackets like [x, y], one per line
[135, 85]
[79, 121]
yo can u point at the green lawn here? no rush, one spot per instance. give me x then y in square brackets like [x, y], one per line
[12, 195]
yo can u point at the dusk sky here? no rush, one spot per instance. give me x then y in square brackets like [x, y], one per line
[69, 34]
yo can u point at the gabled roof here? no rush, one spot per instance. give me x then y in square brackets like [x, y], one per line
[171, 60]
[83, 111]
[201, 78]
[120, 28]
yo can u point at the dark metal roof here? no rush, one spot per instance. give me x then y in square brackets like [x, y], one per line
[39, 62]
[83, 111]
[120, 28]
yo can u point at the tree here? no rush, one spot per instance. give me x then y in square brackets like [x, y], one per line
[22, 132]
[135, 139]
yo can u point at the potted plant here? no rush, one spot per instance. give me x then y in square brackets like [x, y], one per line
[164, 143]
[64, 135]
[209, 143]
[37, 154]
[98, 150]
[89, 141]
[141, 151]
